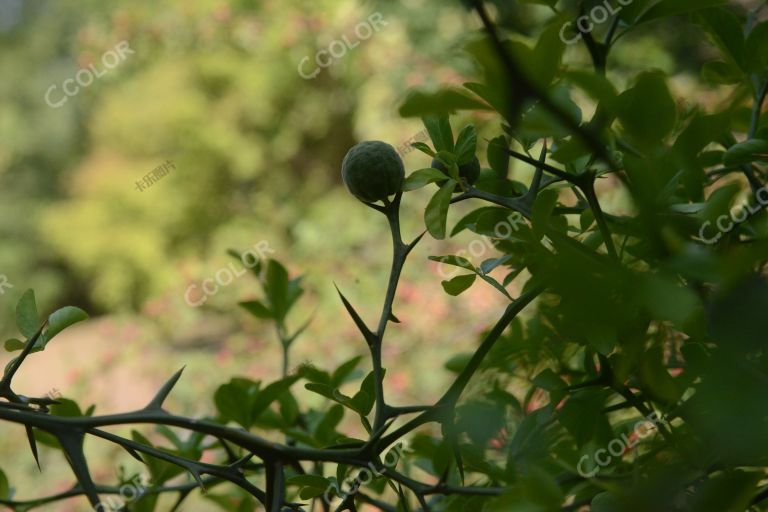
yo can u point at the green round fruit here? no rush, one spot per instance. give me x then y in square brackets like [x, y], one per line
[372, 171]
[468, 172]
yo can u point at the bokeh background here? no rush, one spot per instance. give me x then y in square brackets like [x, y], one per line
[213, 86]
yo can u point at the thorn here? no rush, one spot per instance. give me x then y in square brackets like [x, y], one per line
[133, 453]
[33, 446]
[370, 338]
[410, 246]
[162, 394]
[199, 481]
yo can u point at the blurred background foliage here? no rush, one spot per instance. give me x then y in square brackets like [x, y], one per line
[213, 86]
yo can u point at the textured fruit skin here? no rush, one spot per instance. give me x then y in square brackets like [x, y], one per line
[470, 171]
[372, 171]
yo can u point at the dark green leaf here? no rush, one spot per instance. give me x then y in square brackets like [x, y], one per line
[466, 145]
[456, 261]
[647, 110]
[442, 102]
[458, 284]
[498, 155]
[235, 401]
[13, 345]
[756, 49]
[747, 152]
[726, 31]
[667, 8]
[439, 128]
[548, 380]
[256, 308]
[423, 148]
[436, 214]
[276, 288]
[271, 393]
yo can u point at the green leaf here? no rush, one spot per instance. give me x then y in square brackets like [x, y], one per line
[5, 489]
[542, 488]
[466, 145]
[66, 408]
[312, 374]
[269, 394]
[27, 319]
[326, 428]
[308, 481]
[423, 148]
[61, 319]
[251, 261]
[538, 122]
[458, 362]
[458, 284]
[727, 490]
[544, 65]
[667, 8]
[256, 308]
[422, 177]
[443, 102]
[498, 156]
[595, 85]
[721, 73]
[667, 300]
[655, 377]
[605, 502]
[542, 211]
[746, 152]
[756, 49]
[344, 371]
[548, 380]
[456, 261]
[440, 132]
[449, 161]
[235, 400]
[294, 291]
[725, 29]
[647, 110]
[582, 415]
[323, 389]
[363, 401]
[13, 345]
[548, 3]
[160, 471]
[470, 220]
[436, 214]
[276, 288]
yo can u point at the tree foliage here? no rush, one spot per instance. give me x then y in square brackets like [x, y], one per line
[626, 371]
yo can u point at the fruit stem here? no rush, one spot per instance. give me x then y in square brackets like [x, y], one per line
[399, 254]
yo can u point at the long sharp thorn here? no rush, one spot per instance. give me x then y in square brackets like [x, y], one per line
[367, 333]
[162, 394]
[33, 446]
